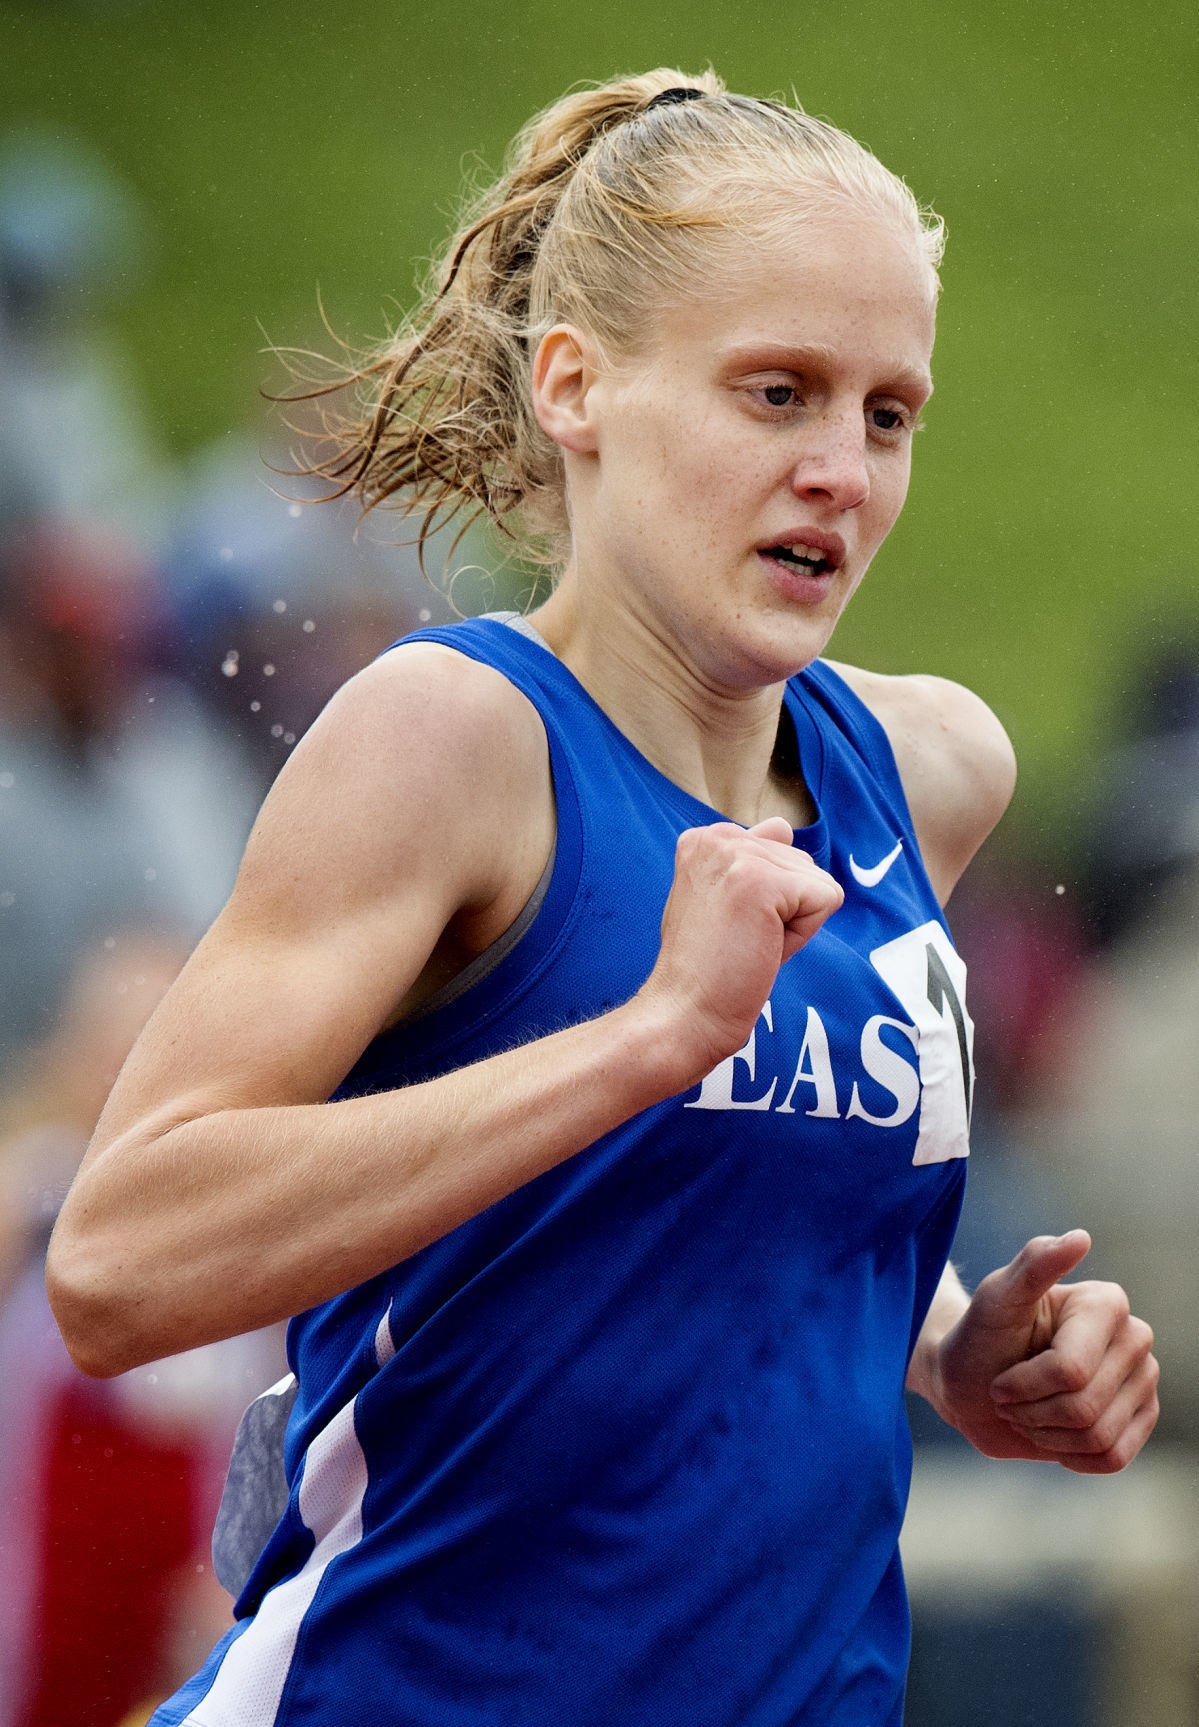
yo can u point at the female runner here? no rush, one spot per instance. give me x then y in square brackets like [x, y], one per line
[582, 1055]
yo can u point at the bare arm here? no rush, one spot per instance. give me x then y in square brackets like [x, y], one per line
[221, 1192]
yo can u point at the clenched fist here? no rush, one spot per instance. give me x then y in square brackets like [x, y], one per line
[1039, 1369]
[743, 900]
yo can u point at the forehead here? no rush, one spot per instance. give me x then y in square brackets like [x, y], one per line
[852, 288]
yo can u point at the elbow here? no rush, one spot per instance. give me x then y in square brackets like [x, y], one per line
[91, 1307]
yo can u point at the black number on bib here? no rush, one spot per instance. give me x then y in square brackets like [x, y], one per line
[941, 990]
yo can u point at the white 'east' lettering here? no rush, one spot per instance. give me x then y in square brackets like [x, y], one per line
[818, 1072]
[890, 1070]
[716, 1092]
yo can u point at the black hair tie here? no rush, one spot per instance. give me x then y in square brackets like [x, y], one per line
[678, 93]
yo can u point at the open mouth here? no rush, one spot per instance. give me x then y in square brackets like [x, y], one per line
[805, 558]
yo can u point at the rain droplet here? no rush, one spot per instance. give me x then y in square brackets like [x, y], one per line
[255, 707]
[150, 874]
[424, 614]
[1060, 888]
[295, 509]
[289, 737]
[8, 780]
[276, 731]
[309, 626]
[268, 671]
[280, 605]
[229, 665]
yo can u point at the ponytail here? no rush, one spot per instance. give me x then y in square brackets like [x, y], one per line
[605, 203]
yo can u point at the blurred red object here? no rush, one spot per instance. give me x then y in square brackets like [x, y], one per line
[116, 1526]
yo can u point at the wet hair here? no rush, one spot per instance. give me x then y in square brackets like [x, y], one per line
[610, 206]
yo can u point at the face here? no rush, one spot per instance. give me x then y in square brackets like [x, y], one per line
[739, 478]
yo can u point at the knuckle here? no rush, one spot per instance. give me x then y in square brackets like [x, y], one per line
[1073, 1376]
[1142, 1335]
[1112, 1462]
[1103, 1435]
[1082, 1411]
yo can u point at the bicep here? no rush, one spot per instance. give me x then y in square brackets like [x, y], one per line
[383, 826]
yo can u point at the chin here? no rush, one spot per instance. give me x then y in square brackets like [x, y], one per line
[773, 646]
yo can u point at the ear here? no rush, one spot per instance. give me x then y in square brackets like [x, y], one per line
[565, 368]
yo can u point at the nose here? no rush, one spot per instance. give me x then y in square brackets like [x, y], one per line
[831, 468]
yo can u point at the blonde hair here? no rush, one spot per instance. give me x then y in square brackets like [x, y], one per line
[608, 207]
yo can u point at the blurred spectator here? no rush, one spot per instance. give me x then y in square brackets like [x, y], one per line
[72, 437]
[278, 602]
[1026, 949]
[109, 1487]
[1119, 1124]
[120, 799]
[1141, 823]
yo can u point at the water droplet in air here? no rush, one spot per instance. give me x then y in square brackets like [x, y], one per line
[8, 780]
[295, 509]
[229, 665]
[1060, 888]
[110, 941]
[289, 737]
[268, 671]
[276, 731]
[8, 898]
[255, 707]
[424, 614]
[150, 874]
[226, 554]
[280, 605]
[309, 626]
[139, 978]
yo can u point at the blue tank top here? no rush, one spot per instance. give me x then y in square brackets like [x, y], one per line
[628, 1449]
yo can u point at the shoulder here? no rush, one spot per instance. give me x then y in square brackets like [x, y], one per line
[424, 755]
[461, 711]
[954, 758]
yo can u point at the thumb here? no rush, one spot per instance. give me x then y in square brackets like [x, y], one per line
[774, 828]
[1043, 1262]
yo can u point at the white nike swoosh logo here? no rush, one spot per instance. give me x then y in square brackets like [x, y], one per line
[871, 877]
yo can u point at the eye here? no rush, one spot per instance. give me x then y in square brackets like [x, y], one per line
[887, 419]
[779, 395]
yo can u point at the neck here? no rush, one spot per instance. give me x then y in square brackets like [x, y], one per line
[714, 739]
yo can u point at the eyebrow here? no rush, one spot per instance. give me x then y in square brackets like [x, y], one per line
[814, 355]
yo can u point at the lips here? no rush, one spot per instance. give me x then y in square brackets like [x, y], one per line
[807, 551]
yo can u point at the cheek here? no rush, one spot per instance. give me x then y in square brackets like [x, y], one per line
[888, 492]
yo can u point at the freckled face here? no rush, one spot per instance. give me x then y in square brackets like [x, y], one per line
[749, 467]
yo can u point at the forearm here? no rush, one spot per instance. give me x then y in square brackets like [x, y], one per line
[241, 1217]
[948, 1305]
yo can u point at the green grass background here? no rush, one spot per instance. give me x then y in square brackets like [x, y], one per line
[1050, 536]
